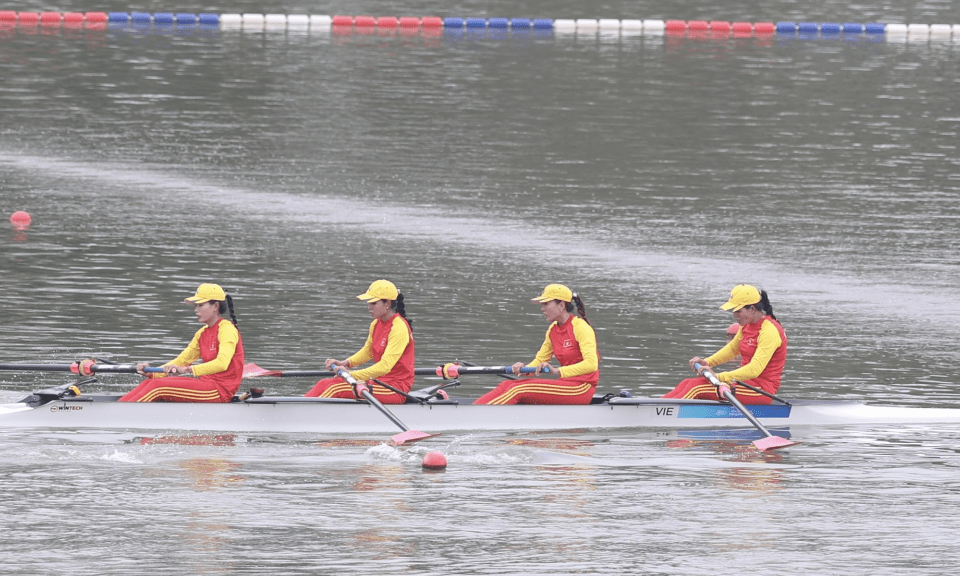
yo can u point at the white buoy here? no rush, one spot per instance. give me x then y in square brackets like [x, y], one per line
[896, 29]
[275, 21]
[253, 21]
[586, 25]
[565, 26]
[231, 21]
[940, 31]
[299, 21]
[320, 22]
[609, 24]
[918, 31]
[654, 27]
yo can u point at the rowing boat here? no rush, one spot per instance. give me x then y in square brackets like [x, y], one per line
[60, 408]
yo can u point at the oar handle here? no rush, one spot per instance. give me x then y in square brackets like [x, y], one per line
[706, 373]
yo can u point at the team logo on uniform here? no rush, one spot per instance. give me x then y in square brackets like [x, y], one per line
[751, 341]
[568, 343]
[383, 342]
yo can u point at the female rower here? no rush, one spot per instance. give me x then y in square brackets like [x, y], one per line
[761, 343]
[218, 345]
[572, 340]
[389, 344]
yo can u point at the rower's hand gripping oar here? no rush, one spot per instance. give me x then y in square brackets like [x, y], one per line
[363, 389]
[771, 442]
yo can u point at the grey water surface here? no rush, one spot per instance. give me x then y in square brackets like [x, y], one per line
[648, 173]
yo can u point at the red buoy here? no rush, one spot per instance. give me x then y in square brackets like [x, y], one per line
[434, 461]
[20, 218]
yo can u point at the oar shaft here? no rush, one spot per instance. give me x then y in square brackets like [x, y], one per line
[724, 389]
[40, 367]
[365, 392]
[74, 367]
[452, 371]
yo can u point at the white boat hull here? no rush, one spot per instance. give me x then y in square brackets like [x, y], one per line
[347, 417]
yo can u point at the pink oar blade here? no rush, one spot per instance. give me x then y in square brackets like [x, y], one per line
[252, 371]
[410, 436]
[772, 443]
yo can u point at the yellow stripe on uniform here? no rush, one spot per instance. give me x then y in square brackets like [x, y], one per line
[698, 390]
[182, 393]
[542, 388]
[335, 389]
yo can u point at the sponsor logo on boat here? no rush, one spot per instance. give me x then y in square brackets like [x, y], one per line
[65, 408]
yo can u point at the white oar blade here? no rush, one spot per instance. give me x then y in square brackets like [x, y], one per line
[410, 436]
[772, 443]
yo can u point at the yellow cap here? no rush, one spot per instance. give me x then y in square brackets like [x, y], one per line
[554, 292]
[206, 293]
[741, 295]
[380, 290]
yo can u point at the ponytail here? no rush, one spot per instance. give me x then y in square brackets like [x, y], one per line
[398, 306]
[764, 305]
[577, 305]
[228, 305]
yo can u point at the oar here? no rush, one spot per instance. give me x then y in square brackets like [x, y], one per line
[764, 392]
[469, 365]
[448, 371]
[407, 435]
[771, 442]
[84, 367]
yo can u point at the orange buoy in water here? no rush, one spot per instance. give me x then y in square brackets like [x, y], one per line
[20, 218]
[434, 461]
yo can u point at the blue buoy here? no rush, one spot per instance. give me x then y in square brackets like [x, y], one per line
[163, 18]
[520, 23]
[208, 19]
[830, 27]
[786, 27]
[118, 17]
[476, 23]
[874, 28]
[140, 18]
[543, 24]
[498, 22]
[453, 22]
[808, 27]
[852, 28]
[186, 19]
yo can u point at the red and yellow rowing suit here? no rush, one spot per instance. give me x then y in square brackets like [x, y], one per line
[390, 345]
[763, 348]
[215, 380]
[574, 344]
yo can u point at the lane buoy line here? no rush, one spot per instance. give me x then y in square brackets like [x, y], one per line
[254, 21]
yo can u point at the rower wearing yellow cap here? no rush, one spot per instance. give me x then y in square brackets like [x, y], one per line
[761, 344]
[218, 345]
[572, 341]
[389, 344]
